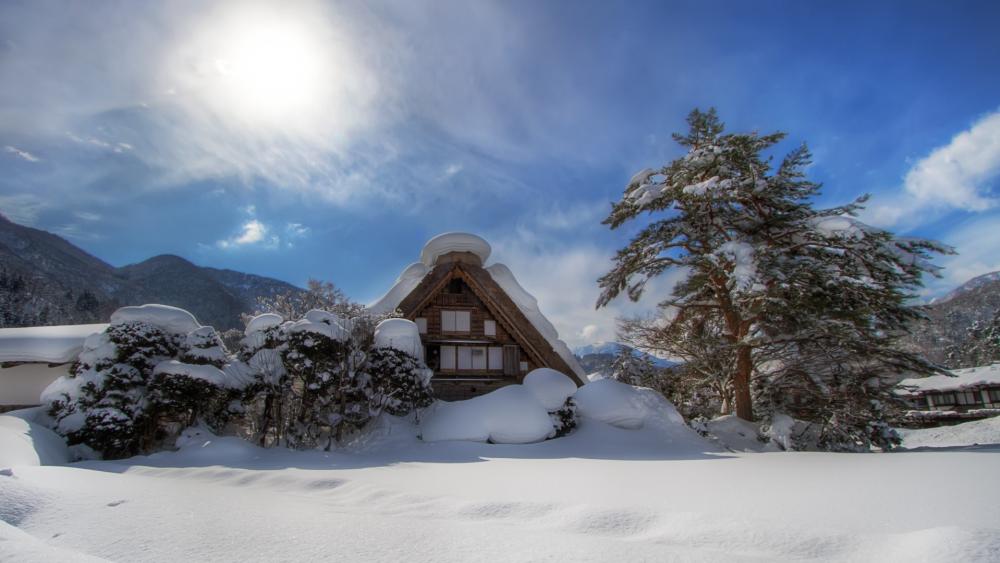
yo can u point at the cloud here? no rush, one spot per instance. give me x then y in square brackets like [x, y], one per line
[978, 254]
[562, 272]
[252, 233]
[21, 208]
[87, 215]
[958, 176]
[22, 154]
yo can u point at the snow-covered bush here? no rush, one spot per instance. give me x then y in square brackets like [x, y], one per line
[398, 383]
[323, 377]
[118, 400]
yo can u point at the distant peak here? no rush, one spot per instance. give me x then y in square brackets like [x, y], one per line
[970, 285]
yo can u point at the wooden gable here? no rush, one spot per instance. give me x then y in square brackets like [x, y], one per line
[487, 301]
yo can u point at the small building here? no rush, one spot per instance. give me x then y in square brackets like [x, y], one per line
[969, 394]
[480, 329]
[33, 357]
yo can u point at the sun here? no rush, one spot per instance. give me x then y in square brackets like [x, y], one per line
[271, 69]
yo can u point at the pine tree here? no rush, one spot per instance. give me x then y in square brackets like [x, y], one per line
[779, 275]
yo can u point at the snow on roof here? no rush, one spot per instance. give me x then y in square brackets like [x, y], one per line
[400, 334]
[454, 242]
[405, 284]
[528, 305]
[165, 317]
[50, 344]
[964, 379]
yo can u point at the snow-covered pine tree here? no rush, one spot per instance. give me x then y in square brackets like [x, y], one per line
[629, 367]
[773, 269]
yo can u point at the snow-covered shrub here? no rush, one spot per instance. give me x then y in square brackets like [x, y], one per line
[131, 390]
[563, 418]
[319, 379]
[398, 383]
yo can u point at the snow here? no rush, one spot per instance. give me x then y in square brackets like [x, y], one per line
[529, 307]
[263, 322]
[599, 494]
[550, 387]
[207, 373]
[25, 442]
[405, 284]
[738, 435]
[400, 334]
[332, 331]
[839, 226]
[740, 254]
[611, 402]
[977, 432]
[509, 415]
[321, 316]
[49, 344]
[963, 379]
[454, 242]
[701, 188]
[170, 319]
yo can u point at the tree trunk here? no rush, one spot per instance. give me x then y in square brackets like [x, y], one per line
[741, 383]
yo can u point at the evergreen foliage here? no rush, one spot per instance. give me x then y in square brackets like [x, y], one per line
[781, 284]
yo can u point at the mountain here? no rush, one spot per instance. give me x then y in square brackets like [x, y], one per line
[598, 356]
[45, 280]
[962, 328]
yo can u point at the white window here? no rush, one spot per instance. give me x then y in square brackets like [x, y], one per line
[447, 357]
[463, 321]
[455, 321]
[421, 325]
[490, 328]
[496, 357]
[464, 358]
[524, 366]
[478, 357]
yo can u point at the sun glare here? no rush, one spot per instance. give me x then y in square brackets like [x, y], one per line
[271, 69]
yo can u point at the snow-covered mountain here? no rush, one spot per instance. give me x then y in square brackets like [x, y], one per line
[598, 356]
[46, 280]
[962, 328]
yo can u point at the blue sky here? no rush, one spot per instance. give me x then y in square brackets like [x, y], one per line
[330, 140]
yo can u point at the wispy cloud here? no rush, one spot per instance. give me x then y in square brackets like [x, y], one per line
[22, 154]
[958, 176]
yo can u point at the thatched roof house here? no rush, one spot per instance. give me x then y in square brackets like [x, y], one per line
[480, 329]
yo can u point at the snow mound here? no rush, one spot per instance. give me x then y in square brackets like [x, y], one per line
[528, 305]
[165, 317]
[976, 432]
[50, 344]
[550, 387]
[405, 284]
[400, 334]
[509, 415]
[206, 372]
[332, 331]
[454, 242]
[23, 442]
[736, 434]
[260, 323]
[611, 402]
[321, 316]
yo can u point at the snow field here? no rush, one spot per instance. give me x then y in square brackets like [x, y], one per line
[566, 499]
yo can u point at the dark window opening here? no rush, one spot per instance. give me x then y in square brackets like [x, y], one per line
[456, 286]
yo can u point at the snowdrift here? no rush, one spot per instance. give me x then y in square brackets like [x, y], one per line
[518, 414]
[25, 442]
